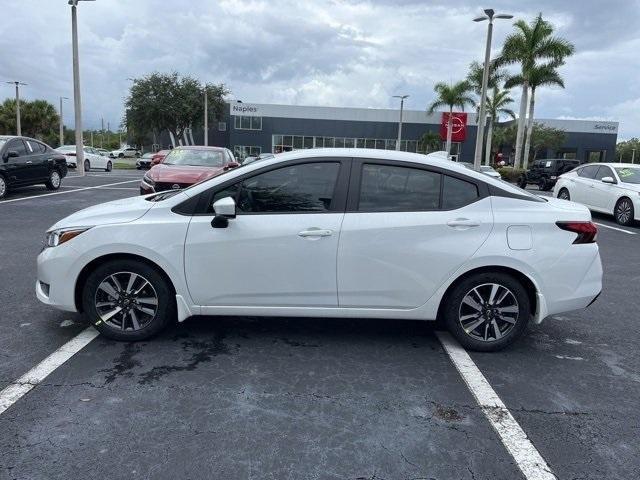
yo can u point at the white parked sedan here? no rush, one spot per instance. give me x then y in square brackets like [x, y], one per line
[92, 158]
[328, 233]
[612, 188]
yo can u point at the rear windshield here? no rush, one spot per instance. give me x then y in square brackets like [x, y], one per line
[629, 175]
[197, 158]
[67, 148]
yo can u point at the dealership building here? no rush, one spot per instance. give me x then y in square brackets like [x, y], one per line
[254, 128]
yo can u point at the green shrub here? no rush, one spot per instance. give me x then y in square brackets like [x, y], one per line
[511, 174]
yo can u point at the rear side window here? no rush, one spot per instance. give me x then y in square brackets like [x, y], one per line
[385, 188]
[588, 171]
[457, 193]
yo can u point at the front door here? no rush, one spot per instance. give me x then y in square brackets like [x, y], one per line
[582, 191]
[20, 169]
[604, 194]
[280, 250]
[407, 230]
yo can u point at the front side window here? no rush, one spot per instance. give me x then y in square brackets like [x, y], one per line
[385, 188]
[307, 187]
[197, 158]
[457, 193]
[604, 172]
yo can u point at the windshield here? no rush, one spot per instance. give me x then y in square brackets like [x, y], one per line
[197, 158]
[629, 175]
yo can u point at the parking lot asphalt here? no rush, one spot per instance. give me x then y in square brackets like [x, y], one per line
[307, 398]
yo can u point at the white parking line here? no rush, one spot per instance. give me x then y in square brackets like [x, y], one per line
[526, 456]
[16, 390]
[615, 228]
[66, 191]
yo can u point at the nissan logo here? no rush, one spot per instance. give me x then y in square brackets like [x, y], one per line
[175, 186]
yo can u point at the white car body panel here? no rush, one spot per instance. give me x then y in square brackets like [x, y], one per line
[599, 196]
[260, 265]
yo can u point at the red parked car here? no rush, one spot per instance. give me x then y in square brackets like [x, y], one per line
[184, 166]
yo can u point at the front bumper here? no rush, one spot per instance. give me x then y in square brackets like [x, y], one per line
[56, 280]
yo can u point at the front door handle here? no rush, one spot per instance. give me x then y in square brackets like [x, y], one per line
[463, 222]
[315, 232]
[29, 161]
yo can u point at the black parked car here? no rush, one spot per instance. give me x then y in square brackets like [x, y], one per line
[26, 161]
[545, 172]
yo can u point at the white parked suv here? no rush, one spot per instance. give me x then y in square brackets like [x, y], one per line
[129, 152]
[612, 188]
[328, 233]
[92, 158]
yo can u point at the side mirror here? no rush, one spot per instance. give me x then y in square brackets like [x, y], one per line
[231, 165]
[225, 208]
[608, 180]
[12, 154]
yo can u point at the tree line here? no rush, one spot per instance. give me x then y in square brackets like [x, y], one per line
[538, 53]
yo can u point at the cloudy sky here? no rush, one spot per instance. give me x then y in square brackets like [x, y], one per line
[313, 52]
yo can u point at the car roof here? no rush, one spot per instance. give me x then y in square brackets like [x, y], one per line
[615, 164]
[199, 147]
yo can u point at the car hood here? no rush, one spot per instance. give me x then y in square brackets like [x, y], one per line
[182, 173]
[118, 211]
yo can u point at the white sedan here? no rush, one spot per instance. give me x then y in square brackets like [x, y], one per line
[328, 233]
[612, 188]
[92, 158]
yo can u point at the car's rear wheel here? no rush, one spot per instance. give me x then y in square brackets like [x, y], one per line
[109, 167]
[522, 182]
[128, 300]
[121, 155]
[563, 194]
[487, 311]
[623, 211]
[542, 184]
[87, 165]
[54, 181]
[3, 187]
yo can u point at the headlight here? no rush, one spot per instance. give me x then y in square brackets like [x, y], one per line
[147, 179]
[62, 235]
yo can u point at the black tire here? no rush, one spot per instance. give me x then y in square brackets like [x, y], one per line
[164, 311]
[87, 165]
[454, 311]
[137, 155]
[54, 181]
[564, 194]
[109, 166]
[121, 155]
[522, 183]
[4, 188]
[542, 184]
[623, 211]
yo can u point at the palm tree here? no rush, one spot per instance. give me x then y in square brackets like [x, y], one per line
[451, 95]
[476, 71]
[531, 43]
[496, 107]
[539, 76]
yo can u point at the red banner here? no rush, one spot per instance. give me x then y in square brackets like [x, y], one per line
[458, 126]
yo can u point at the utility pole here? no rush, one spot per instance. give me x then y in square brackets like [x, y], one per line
[62, 122]
[101, 132]
[401, 97]
[18, 126]
[633, 156]
[206, 118]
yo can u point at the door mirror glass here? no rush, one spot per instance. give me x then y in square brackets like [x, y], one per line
[12, 154]
[225, 207]
[608, 180]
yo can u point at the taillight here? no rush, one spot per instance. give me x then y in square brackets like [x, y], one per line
[586, 231]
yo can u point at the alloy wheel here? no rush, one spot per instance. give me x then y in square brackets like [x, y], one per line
[55, 179]
[126, 301]
[488, 312]
[623, 211]
[3, 187]
[563, 195]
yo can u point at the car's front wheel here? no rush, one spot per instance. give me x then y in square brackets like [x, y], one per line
[3, 187]
[121, 155]
[109, 167]
[54, 181]
[623, 211]
[128, 300]
[563, 194]
[487, 311]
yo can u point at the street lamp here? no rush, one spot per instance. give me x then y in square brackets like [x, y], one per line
[77, 102]
[18, 126]
[489, 15]
[401, 97]
[62, 121]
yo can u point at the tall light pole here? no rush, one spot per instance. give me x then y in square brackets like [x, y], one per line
[62, 122]
[77, 102]
[18, 126]
[489, 15]
[401, 97]
[206, 118]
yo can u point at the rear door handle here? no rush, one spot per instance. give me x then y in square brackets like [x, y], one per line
[316, 232]
[463, 222]
[29, 161]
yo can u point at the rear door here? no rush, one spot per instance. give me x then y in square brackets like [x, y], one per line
[39, 159]
[406, 230]
[20, 168]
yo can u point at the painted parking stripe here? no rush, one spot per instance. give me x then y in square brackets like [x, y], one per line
[526, 456]
[19, 388]
[66, 191]
[616, 228]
